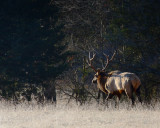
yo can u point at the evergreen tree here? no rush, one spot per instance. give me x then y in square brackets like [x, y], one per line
[32, 54]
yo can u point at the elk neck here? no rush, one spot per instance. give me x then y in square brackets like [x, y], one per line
[101, 81]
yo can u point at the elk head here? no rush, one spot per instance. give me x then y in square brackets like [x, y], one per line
[100, 73]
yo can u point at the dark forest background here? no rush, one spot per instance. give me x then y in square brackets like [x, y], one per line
[44, 45]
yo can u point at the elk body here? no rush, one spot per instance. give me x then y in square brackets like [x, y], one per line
[116, 82]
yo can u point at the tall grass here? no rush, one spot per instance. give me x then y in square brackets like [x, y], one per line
[33, 115]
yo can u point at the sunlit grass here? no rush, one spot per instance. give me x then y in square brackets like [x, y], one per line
[32, 115]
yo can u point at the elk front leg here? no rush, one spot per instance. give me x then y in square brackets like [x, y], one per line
[99, 94]
[104, 97]
[109, 97]
[117, 101]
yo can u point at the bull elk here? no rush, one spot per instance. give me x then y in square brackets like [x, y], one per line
[116, 82]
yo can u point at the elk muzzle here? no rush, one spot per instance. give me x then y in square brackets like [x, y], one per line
[94, 80]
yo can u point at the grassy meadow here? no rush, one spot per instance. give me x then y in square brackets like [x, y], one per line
[33, 115]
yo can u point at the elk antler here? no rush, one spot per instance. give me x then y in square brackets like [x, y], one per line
[90, 61]
[107, 57]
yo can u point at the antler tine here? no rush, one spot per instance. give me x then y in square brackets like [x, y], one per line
[90, 61]
[113, 56]
[107, 57]
[89, 55]
[94, 54]
[108, 60]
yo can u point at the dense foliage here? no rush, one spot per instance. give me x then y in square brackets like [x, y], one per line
[37, 36]
[31, 52]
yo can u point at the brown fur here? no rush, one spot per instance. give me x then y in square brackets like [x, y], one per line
[101, 80]
[129, 88]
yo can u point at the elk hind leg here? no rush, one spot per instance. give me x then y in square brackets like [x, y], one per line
[129, 93]
[138, 94]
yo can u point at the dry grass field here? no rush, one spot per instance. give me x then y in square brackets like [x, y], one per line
[73, 116]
